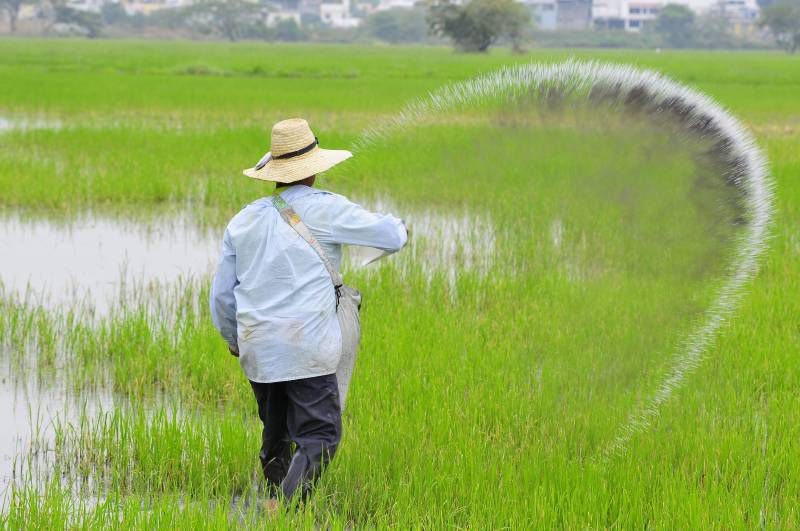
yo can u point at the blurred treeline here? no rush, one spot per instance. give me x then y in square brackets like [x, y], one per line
[675, 27]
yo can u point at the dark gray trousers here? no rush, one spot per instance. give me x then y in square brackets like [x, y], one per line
[307, 413]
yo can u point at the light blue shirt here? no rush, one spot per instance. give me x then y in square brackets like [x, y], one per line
[272, 298]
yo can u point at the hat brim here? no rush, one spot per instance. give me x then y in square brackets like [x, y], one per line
[298, 168]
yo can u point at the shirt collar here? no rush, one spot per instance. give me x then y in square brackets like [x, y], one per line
[293, 191]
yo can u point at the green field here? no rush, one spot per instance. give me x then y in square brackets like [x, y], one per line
[490, 377]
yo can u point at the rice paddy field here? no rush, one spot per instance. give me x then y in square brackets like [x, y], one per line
[560, 256]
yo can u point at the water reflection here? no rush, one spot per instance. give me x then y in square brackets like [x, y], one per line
[96, 260]
[441, 242]
[27, 123]
[32, 404]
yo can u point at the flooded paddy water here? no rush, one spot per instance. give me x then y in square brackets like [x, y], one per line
[33, 404]
[87, 266]
[8, 124]
[98, 260]
[93, 266]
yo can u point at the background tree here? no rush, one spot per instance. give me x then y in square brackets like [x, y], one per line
[90, 24]
[675, 23]
[288, 30]
[783, 20]
[397, 25]
[713, 31]
[231, 19]
[113, 13]
[478, 24]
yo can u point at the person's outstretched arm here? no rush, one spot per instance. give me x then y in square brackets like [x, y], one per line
[222, 300]
[351, 224]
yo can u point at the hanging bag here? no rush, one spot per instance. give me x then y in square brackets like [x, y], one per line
[348, 299]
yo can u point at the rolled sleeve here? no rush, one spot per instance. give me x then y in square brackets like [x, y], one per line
[222, 299]
[351, 224]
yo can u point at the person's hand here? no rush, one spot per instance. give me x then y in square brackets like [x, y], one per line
[234, 352]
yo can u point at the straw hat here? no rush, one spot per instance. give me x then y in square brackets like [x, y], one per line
[295, 154]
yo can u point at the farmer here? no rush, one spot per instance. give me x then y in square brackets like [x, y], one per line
[273, 301]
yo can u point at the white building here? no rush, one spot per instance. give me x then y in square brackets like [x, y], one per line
[336, 13]
[543, 13]
[29, 12]
[92, 6]
[383, 5]
[616, 14]
[145, 7]
[633, 15]
[739, 11]
[573, 15]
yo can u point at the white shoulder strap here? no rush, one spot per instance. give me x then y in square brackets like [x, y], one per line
[294, 221]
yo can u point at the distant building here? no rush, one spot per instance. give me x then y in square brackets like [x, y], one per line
[549, 15]
[145, 7]
[383, 5]
[610, 14]
[336, 13]
[573, 14]
[308, 8]
[29, 11]
[634, 15]
[543, 13]
[91, 6]
[641, 13]
[742, 14]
